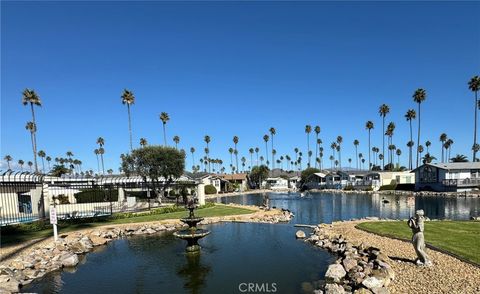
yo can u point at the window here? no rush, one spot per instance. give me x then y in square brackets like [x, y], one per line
[428, 175]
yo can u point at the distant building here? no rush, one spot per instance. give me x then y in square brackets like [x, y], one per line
[382, 178]
[316, 181]
[240, 179]
[447, 177]
[276, 183]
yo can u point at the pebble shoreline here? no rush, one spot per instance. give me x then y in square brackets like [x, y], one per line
[49, 255]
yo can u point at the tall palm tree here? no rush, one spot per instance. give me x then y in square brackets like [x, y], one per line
[256, 152]
[448, 147]
[360, 156]
[192, 150]
[265, 139]
[474, 86]
[369, 126]
[420, 150]
[443, 139]
[176, 140]
[164, 118]
[31, 97]
[235, 152]
[32, 128]
[21, 163]
[251, 151]
[48, 159]
[428, 144]
[419, 96]
[97, 152]
[317, 133]
[243, 159]
[389, 133]
[261, 160]
[207, 141]
[308, 130]
[230, 150]
[101, 151]
[356, 143]
[235, 142]
[459, 158]
[273, 132]
[339, 142]
[129, 99]
[410, 115]
[383, 110]
[321, 157]
[42, 155]
[8, 158]
[399, 152]
[143, 142]
[30, 164]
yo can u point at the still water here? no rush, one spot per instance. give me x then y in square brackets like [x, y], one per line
[237, 253]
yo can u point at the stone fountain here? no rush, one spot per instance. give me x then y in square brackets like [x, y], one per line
[192, 234]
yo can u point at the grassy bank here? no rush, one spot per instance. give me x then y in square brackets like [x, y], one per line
[21, 233]
[461, 238]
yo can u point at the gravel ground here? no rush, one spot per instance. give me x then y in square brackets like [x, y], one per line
[447, 275]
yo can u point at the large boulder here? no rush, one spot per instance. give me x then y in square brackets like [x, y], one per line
[373, 282]
[300, 234]
[335, 273]
[10, 286]
[334, 289]
[349, 263]
[97, 240]
[69, 260]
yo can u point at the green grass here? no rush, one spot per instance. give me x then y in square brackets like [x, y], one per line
[20, 236]
[461, 238]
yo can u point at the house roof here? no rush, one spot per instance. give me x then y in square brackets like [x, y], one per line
[320, 175]
[234, 177]
[453, 165]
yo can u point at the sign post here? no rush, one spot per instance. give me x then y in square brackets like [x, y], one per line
[53, 221]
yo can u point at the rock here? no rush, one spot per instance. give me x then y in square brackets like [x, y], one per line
[349, 263]
[335, 273]
[10, 286]
[380, 290]
[78, 247]
[97, 241]
[300, 234]
[17, 264]
[150, 231]
[70, 260]
[334, 289]
[373, 282]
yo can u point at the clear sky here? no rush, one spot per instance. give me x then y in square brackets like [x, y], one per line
[232, 68]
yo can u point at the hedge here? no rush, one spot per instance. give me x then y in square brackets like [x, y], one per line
[210, 189]
[96, 195]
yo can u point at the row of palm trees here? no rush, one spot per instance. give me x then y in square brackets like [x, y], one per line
[32, 99]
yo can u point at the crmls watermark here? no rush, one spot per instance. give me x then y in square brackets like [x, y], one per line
[257, 287]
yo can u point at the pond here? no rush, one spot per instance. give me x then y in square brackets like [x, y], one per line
[236, 254]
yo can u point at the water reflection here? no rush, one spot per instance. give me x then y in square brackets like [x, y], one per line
[194, 273]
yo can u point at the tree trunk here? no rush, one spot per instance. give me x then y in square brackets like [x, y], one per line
[273, 156]
[130, 127]
[418, 137]
[98, 164]
[475, 130]
[369, 151]
[34, 139]
[103, 167]
[383, 144]
[164, 135]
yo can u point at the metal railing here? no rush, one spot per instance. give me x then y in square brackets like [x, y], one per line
[26, 197]
[461, 182]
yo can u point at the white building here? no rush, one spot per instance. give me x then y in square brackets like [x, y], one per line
[448, 177]
[276, 183]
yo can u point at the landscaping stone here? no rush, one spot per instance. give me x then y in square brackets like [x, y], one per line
[335, 273]
[300, 234]
[70, 260]
[97, 241]
[334, 289]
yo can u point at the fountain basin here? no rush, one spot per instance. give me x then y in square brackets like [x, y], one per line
[192, 236]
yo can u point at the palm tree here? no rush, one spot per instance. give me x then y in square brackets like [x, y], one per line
[331, 161]
[243, 159]
[443, 139]
[256, 152]
[389, 133]
[8, 158]
[48, 158]
[251, 151]
[235, 142]
[321, 157]
[31, 97]
[360, 156]
[128, 98]
[339, 142]
[428, 144]
[273, 132]
[419, 96]
[349, 162]
[101, 151]
[97, 152]
[164, 118]
[235, 152]
[207, 140]
[265, 139]
[21, 163]
[474, 86]
[308, 130]
[428, 158]
[448, 147]
[410, 115]
[459, 158]
[32, 128]
[383, 110]
[261, 160]
[356, 143]
[369, 126]
[230, 150]
[317, 132]
[30, 164]
[420, 150]
[176, 140]
[42, 155]
[192, 150]
[143, 142]
[475, 149]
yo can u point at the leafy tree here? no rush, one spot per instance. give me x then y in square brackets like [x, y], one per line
[129, 99]
[155, 162]
[258, 174]
[308, 172]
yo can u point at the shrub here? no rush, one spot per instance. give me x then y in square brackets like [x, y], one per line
[63, 199]
[172, 193]
[348, 188]
[392, 186]
[210, 189]
[96, 195]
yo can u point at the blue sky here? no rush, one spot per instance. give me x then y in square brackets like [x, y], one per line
[231, 68]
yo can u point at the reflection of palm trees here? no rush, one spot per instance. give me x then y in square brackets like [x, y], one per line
[194, 272]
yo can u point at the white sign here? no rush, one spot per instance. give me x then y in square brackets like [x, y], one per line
[53, 215]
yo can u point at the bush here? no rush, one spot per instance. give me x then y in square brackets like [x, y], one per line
[392, 186]
[210, 189]
[63, 199]
[172, 193]
[96, 195]
[348, 188]
[368, 189]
